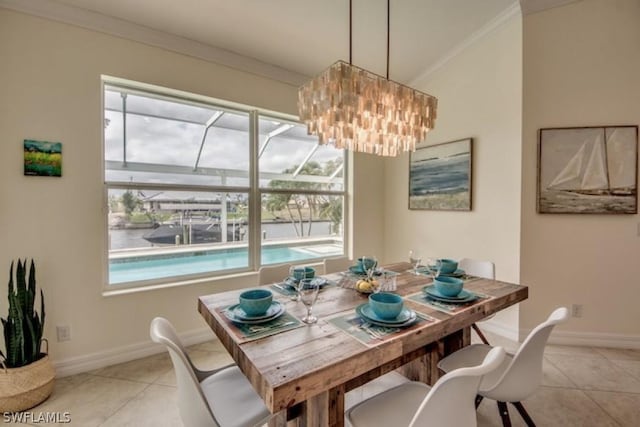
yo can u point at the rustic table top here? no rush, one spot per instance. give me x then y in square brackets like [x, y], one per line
[290, 367]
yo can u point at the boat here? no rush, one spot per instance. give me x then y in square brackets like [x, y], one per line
[192, 233]
[587, 172]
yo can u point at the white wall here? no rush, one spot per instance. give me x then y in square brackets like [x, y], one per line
[51, 91]
[479, 96]
[581, 68]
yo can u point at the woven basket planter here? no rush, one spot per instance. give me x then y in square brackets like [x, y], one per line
[27, 386]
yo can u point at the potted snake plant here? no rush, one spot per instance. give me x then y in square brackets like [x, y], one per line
[26, 373]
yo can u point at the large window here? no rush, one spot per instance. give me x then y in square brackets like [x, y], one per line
[197, 188]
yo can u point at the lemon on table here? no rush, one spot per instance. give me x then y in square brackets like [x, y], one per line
[367, 285]
[364, 286]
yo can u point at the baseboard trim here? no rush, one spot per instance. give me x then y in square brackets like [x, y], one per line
[592, 339]
[89, 362]
[589, 339]
[500, 328]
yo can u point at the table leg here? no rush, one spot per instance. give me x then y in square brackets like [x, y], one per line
[280, 420]
[324, 409]
[425, 368]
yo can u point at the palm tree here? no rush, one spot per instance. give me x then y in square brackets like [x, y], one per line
[329, 207]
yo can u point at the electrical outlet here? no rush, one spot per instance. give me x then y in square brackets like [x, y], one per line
[64, 333]
[576, 310]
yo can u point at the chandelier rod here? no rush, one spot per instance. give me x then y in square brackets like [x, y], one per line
[388, 33]
[351, 33]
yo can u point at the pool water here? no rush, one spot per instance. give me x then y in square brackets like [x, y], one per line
[148, 268]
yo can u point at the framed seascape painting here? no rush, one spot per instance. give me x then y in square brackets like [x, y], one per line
[591, 170]
[440, 176]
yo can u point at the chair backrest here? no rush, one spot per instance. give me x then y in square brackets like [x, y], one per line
[273, 273]
[451, 401]
[333, 265]
[192, 403]
[474, 267]
[524, 374]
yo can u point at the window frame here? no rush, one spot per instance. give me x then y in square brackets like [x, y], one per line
[254, 191]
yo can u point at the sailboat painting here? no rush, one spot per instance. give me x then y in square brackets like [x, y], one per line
[588, 170]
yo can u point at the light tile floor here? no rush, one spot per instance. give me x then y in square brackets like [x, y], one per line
[582, 386]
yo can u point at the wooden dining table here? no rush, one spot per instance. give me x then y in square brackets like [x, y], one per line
[303, 373]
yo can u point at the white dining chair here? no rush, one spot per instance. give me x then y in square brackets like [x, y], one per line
[448, 403]
[478, 268]
[334, 265]
[218, 398]
[273, 273]
[518, 376]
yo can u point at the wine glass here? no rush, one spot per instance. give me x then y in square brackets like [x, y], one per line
[308, 290]
[434, 265]
[369, 265]
[415, 259]
[385, 283]
[296, 282]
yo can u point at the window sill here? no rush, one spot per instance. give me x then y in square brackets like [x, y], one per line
[132, 289]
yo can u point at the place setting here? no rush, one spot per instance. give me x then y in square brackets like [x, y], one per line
[304, 277]
[446, 293]
[436, 266]
[383, 315]
[257, 315]
[367, 277]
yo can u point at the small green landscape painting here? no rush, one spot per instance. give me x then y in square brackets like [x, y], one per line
[42, 158]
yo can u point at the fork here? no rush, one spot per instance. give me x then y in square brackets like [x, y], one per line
[267, 328]
[365, 327]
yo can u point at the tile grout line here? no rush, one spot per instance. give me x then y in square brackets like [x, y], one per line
[602, 408]
[562, 372]
[600, 389]
[628, 371]
[124, 404]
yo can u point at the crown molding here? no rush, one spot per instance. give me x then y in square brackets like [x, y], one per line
[128, 30]
[485, 30]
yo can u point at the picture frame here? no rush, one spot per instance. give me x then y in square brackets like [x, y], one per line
[42, 158]
[440, 176]
[588, 170]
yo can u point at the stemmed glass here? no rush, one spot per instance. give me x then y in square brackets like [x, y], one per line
[385, 283]
[434, 265]
[296, 284]
[308, 290]
[369, 265]
[415, 259]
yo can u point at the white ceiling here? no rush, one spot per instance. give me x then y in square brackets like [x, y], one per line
[290, 40]
[306, 36]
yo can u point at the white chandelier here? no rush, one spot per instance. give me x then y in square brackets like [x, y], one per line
[358, 110]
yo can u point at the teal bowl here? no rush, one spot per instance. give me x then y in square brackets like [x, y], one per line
[256, 302]
[385, 305]
[366, 263]
[448, 266]
[299, 273]
[309, 272]
[448, 286]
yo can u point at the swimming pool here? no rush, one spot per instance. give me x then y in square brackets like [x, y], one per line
[132, 269]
